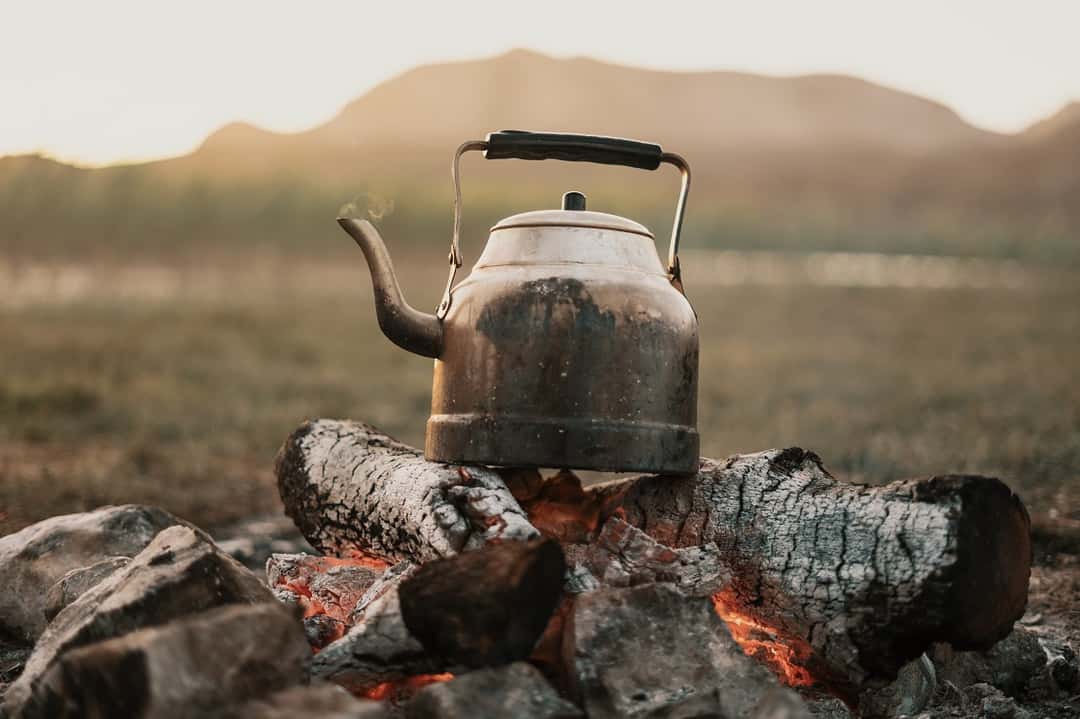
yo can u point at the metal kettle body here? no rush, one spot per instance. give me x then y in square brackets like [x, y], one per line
[569, 344]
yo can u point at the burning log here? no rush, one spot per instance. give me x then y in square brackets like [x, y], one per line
[856, 580]
[325, 589]
[482, 608]
[828, 580]
[348, 486]
[378, 650]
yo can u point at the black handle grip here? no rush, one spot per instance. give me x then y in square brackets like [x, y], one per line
[524, 145]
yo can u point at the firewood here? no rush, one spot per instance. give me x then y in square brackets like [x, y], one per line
[348, 486]
[855, 580]
[378, 649]
[480, 608]
[862, 579]
[485, 608]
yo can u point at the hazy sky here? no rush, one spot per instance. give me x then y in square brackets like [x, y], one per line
[105, 81]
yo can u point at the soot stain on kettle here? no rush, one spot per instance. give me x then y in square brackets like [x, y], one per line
[555, 323]
[511, 318]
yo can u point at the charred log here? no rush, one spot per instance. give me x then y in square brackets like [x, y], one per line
[379, 649]
[860, 579]
[347, 486]
[485, 608]
[481, 608]
[854, 581]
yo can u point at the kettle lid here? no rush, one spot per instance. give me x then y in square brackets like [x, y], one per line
[573, 214]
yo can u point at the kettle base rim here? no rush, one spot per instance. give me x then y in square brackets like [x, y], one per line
[558, 443]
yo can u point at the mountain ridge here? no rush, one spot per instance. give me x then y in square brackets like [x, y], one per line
[862, 164]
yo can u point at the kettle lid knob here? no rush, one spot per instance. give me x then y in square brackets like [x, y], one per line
[573, 200]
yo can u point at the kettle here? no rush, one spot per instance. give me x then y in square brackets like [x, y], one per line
[569, 345]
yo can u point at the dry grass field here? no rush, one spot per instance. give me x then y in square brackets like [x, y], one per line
[175, 386]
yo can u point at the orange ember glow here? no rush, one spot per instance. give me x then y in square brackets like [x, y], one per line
[356, 558]
[298, 584]
[559, 507]
[401, 689]
[761, 642]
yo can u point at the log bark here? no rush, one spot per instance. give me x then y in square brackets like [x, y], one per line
[856, 580]
[347, 486]
[861, 579]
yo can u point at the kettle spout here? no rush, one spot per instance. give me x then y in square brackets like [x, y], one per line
[406, 327]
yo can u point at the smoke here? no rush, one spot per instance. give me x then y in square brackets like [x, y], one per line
[367, 206]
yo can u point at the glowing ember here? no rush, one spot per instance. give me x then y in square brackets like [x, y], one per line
[559, 507]
[299, 584]
[401, 689]
[761, 642]
[356, 558]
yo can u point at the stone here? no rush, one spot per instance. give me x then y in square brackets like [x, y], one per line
[828, 707]
[322, 630]
[639, 651]
[189, 667]
[991, 703]
[781, 704]
[181, 572]
[515, 690]
[1009, 665]
[35, 558]
[907, 695]
[1065, 673]
[77, 582]
[320, 700]
[253, 541]
[12, 659]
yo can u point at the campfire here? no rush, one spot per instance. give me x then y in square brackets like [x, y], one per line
[758, 587]
[809, 582]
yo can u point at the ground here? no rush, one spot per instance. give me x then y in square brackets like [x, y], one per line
[168, 386]
[175, 385]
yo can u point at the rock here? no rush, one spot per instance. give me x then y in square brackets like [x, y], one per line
[637, 652]
[1009, 665]
[190, 667]
[781, 704]
[1065, 673]
[75, 583]
[322, 630]
[991, 703]
[909, 694]
[37, 557]
[253, 541]
[317, 701]
[828, 707]
[12, 659]
[181, 572]
[515, 690]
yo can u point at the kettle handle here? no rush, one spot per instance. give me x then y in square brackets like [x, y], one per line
[524, 145]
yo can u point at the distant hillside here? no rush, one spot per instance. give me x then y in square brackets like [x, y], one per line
[1060, 121]
[424, 113]
[798, 163]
